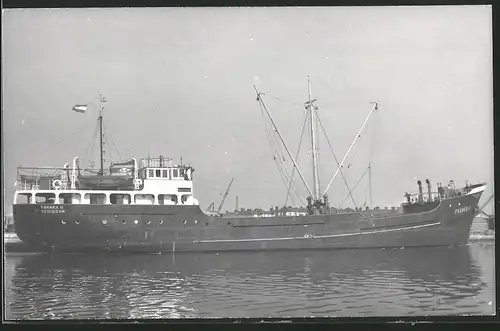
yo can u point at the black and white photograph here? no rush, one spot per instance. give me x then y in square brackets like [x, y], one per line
[248, 162]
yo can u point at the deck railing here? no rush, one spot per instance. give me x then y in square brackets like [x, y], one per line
[156, 162]
[436, 196]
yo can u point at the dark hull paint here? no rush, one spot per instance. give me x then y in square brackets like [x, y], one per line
[135, 228]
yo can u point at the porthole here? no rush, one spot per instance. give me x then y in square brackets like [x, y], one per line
[116, 216]
[77, 222]
[136, 222]
[195, 221]
[104, 221]
[184, 222]
[206, 224]
[148, 222]
[63, 221]
[124, 221]
[161, 222]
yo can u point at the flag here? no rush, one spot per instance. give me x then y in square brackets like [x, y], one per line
[80, 108]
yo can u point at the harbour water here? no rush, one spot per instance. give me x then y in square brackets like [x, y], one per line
[368, 282]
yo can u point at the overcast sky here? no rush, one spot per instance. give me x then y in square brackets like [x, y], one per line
[179, 83]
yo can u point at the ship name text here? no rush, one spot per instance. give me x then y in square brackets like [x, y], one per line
[52, 209]
[462, 210]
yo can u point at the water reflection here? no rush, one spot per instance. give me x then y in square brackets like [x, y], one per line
[419, 281]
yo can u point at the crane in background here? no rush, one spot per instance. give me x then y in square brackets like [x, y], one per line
[489, 218]
[212, 205]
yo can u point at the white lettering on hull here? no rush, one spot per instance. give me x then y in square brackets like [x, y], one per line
[53, 209]
[462, 210]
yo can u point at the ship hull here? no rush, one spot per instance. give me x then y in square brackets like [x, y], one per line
[162, 228]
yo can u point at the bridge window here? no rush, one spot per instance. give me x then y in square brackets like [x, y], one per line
[95, 198]
[151, 173]
[175, 173]
[158, 173]
[184, 189]
[70, 198]
[45, 198]
[144, 199]
[182, 173]
[184, 198]
[164, 173]
[23, 198]
[167, 199]
[119, 199]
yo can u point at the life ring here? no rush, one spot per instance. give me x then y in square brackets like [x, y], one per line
[57, 184]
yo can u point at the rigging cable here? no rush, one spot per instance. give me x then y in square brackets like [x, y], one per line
[114, 145]
[275, 152]
[284, 179]
[358, 134]
[288, 101]
[90, 148]
[106, 136]
[262, 104]
[355, 149]
[317, 144]
[282, 172]
[297, 156]
[317, 148]
[286, 175]
[335, 157]
[370, 154]
[272, 144]
[298, 150]
[354, 187]
[280, 159]
[272, 138]
[106, 141]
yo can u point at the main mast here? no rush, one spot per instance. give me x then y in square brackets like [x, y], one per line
[101, 133]
[311, 107]
[315, 202]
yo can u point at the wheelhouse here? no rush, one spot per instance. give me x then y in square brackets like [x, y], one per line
[151, 181]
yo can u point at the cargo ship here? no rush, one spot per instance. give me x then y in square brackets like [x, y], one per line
[148, 205]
